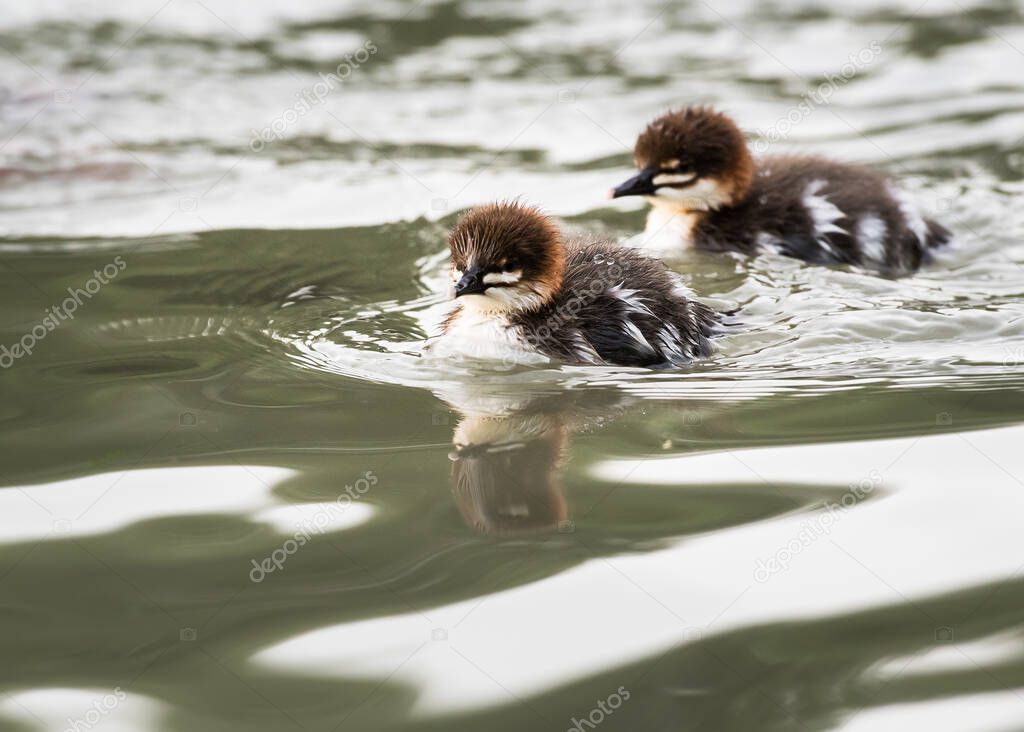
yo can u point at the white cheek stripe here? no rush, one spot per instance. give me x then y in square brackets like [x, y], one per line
[503, 278]
[704, 194]
[504, 300]
[667, 179]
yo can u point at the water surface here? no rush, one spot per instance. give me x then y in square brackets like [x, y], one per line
[235, 498]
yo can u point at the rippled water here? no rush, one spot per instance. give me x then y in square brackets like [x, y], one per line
[235, 497]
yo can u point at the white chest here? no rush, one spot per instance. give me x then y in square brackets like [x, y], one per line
[668, 230]
[479, 335]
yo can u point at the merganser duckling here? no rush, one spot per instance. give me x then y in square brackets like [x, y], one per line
[519, 283]
[707, 192]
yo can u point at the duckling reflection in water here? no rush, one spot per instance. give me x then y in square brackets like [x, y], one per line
[508, 454]
[506, 473]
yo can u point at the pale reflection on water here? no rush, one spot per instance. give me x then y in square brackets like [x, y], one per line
[708, 585]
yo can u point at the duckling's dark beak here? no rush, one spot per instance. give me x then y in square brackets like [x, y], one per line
[472, 283]
[641, 184]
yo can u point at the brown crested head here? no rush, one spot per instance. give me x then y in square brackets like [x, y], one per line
[695, 145]
[506, 256]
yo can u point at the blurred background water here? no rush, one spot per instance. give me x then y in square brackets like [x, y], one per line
[234, 497]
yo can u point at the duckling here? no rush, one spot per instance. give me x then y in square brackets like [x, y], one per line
[521, 287]
[707, 192]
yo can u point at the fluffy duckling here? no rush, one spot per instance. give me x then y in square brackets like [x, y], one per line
[707, 192]
[521, 285]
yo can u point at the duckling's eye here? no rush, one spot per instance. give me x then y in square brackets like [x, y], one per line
[510, 265]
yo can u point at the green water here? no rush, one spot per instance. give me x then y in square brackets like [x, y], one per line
[231, 498]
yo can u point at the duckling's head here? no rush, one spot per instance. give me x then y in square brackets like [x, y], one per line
[506, 257]
[695, 159]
